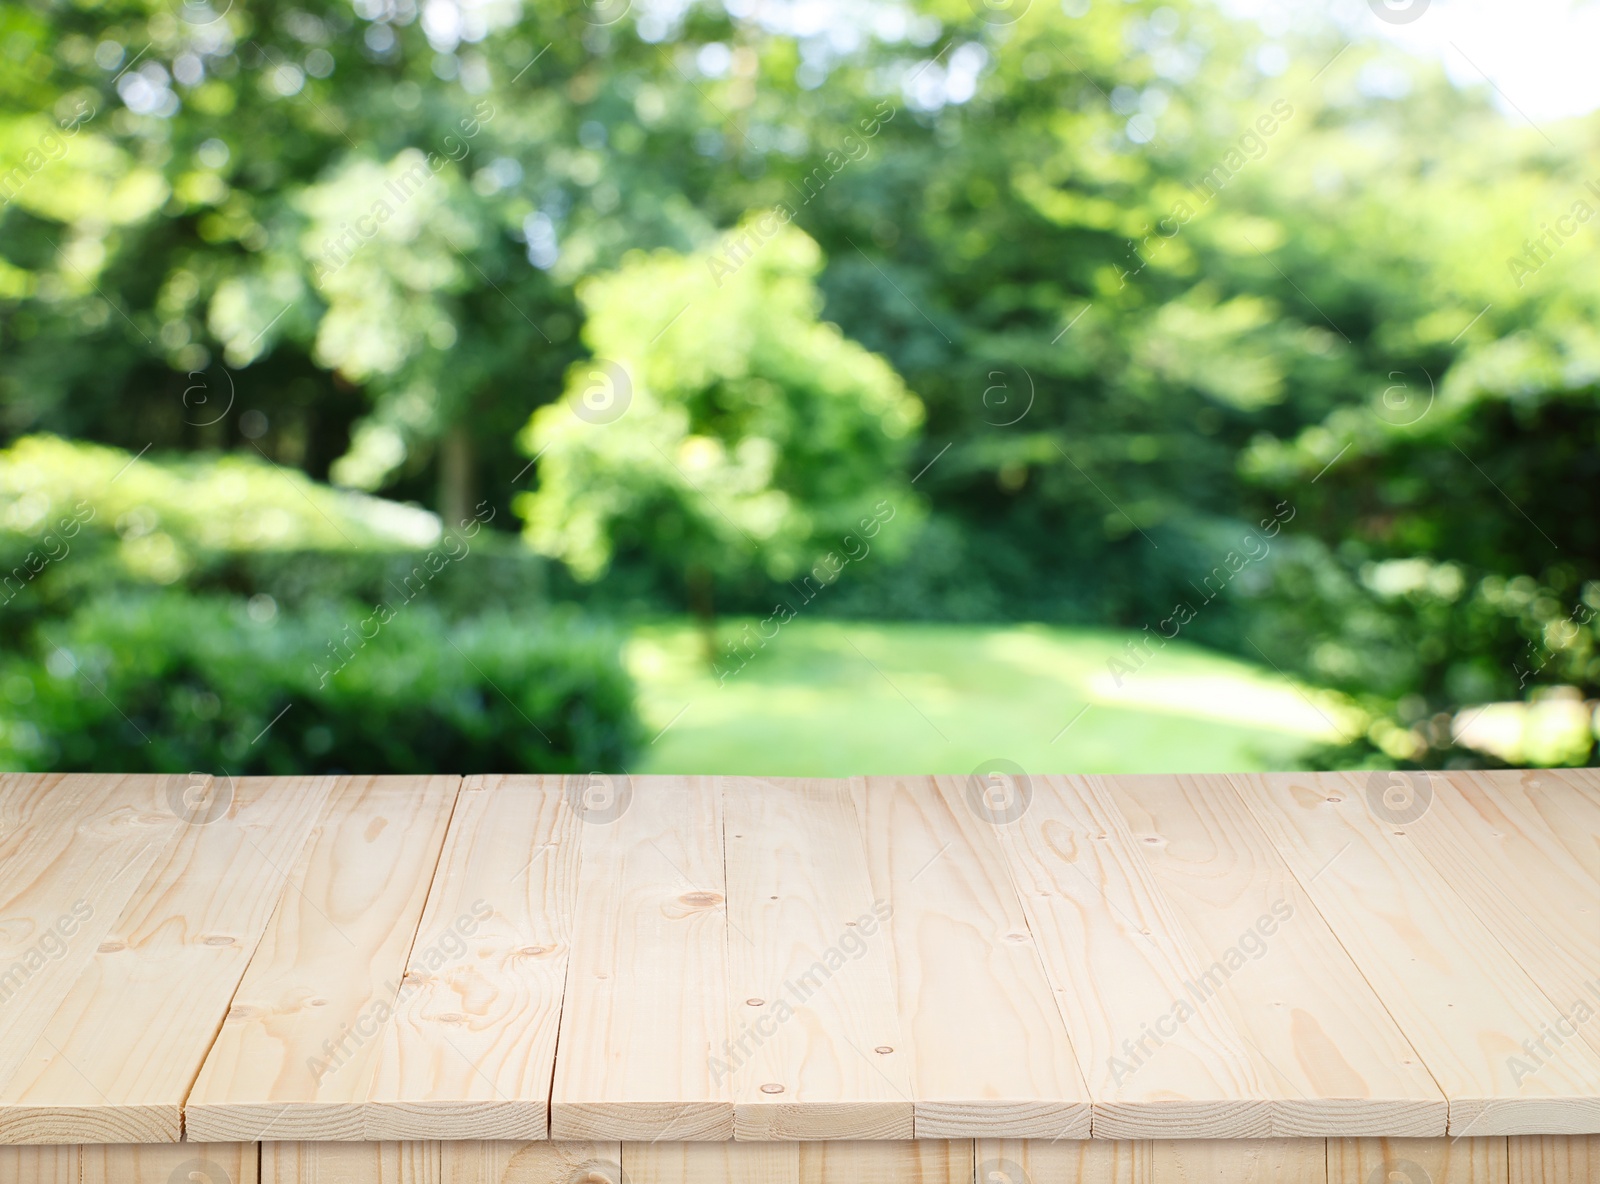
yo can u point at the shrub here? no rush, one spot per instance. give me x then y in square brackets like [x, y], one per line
[168, 681]
[223, 614]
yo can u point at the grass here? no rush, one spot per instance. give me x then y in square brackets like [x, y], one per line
[831, 699]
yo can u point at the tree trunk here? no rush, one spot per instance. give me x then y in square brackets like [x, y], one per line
[455, 478]
[699, 581]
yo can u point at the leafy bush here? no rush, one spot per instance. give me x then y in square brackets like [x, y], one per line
[220, 613]
[721, 426]
[78, 519]
[165, 518]
[1450, 584]
[167, 681]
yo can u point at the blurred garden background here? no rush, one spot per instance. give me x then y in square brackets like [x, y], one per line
[790, 387]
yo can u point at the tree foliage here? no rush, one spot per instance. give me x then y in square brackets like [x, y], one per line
[723, 428]
[1150, 271]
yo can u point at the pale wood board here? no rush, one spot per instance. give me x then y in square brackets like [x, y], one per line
[429, 1162]
[295, 1054]
[1120, 963]
[824, 1162]
[1306, 1012]
[926, 1161]
[73, 849]
[389, 959]
[1485, 837]
[1461, 1000]
[1568, 800]
[1153, 1161]
[646, 1006]
[171, 1163]
[987, 1049]
[816, 1050]
[1417, 1161]
[711, 1163]
[1518, 1160]
[115, 1061]
[1552, 1159]
[51, 1164]
[471, 1050]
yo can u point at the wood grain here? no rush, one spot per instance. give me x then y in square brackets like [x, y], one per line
[815, 1051]
[926, 1161]
[428, 1162]
[711, 1163]
[1487, 839]
[295, 1054]
[1307, 1014]
[987, 1050]
[73, 849]
[1461, 1000]
[1193, 970]
[115, 1061]
[51, 1164]
[1417, 1161]
[471, 1050]
[1156, 1161]
[171, 1163]
[646, 1006]
[1568, 800]
[1158, 1063]
[1552, 1159]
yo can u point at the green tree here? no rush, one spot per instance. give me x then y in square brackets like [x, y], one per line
[720, 427]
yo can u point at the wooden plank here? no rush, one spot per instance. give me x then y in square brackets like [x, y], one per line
[73, 849]
[646, 1007]
[1488, 839]
[56, 1164]
[1036, 1161]
[115, 1061]
[1567, 801]
[711, 1163]
[1122, 966]
[1155, 1161]
[295, 1055]
[926, 1161]
[472, 1047]
[1552, 1159]
[428, 1162]
[816, 1051]
[171, 1163]
[1463, 1003]
[987, 1050]
[1304, 1008]
[1417, 1161]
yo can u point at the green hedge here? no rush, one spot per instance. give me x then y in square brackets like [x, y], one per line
[216, 613]
[79, 520]
[168, 681]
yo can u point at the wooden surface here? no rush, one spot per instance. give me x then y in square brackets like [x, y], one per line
[1466, 1002]
[296, 1054]
[472, 1046]
[1322, 1041]
[646, 1008]
[173, 958]
[988, 1051]
[817, 1052]
[1528, 1159]
[1118, 978]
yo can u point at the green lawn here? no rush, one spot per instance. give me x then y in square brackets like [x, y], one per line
[831, 699]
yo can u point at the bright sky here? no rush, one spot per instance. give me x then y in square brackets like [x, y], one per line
[1540, 54]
